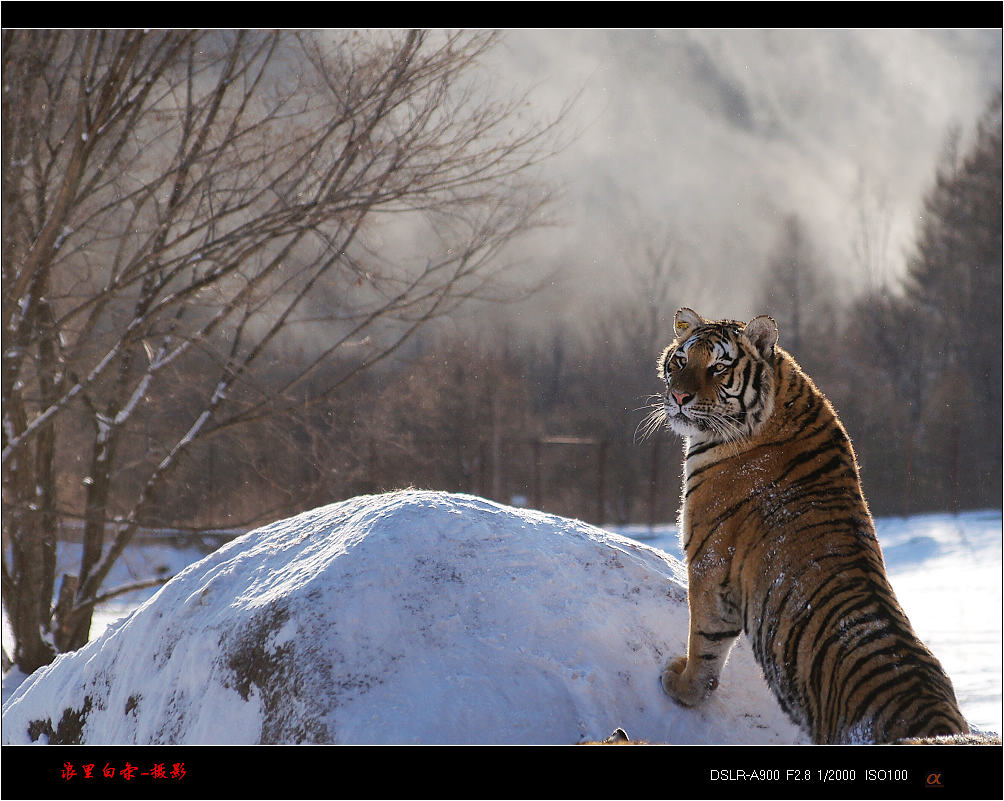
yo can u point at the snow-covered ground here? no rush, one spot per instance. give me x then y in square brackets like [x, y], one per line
[508, 617]
[946, 571]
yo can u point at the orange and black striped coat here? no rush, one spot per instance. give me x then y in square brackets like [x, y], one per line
[780, 545]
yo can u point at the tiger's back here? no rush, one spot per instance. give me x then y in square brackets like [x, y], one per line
[780, 545]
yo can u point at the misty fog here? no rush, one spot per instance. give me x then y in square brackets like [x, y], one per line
[710, 138]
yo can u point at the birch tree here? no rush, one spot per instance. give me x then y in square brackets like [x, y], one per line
[205, 195]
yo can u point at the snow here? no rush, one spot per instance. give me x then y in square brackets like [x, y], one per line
[946, 572]
[422, 617]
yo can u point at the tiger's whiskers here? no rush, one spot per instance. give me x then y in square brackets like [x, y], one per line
[652, 422]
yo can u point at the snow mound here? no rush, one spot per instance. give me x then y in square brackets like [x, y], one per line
[410, 617]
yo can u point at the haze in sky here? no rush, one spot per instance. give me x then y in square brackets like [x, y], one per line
[711, 138]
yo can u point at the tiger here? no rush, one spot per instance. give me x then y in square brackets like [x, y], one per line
[780, 545]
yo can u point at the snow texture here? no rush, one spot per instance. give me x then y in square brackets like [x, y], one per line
[411, 617]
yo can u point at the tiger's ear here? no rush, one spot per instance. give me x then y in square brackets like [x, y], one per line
[762, 332]
[686, 320]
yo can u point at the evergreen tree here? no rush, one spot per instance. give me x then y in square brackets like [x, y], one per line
[953, 286]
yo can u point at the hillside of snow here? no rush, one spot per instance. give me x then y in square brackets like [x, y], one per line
[413, 617]
[422, 617]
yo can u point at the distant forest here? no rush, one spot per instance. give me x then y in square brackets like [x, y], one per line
[913, 367]
[233, 291]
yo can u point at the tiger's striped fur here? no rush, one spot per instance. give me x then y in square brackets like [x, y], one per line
[780, 544]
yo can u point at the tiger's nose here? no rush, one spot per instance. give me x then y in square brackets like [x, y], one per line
[682, 397]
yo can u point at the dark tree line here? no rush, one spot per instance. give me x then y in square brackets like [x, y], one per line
[929, 348]
[913, 367]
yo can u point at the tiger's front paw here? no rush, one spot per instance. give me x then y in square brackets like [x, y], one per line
[683, 686]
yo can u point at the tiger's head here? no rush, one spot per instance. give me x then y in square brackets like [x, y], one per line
[719, 377]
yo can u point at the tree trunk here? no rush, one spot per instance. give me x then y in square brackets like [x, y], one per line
[28, 612]
[906, 502]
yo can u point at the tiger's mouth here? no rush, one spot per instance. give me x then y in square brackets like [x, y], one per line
[684, 423]
[703, 424]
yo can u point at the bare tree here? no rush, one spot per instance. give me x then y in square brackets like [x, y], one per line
[800, 292]
[172, 196]
[870, 240]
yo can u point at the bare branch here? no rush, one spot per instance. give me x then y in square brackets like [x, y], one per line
[179, 205]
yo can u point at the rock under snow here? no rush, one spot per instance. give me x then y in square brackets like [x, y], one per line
[411, 617]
